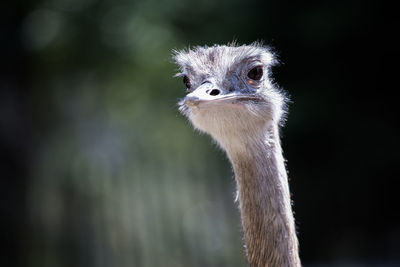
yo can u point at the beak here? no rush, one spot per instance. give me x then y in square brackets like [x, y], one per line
[207, 93]
[204, 93]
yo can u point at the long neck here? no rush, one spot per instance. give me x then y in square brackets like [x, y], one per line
[264, 200]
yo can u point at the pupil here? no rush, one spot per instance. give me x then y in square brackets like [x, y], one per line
[255, 73]
[186, 81]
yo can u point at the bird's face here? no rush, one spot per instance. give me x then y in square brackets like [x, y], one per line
[229, 92]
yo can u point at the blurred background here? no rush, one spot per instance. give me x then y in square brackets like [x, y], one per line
[98, 168]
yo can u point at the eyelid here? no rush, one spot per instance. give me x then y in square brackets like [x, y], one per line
[252, 82]
[254, 65]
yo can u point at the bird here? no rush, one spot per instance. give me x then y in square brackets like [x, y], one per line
[232, 97]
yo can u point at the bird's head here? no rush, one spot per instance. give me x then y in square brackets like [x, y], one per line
[229, 90]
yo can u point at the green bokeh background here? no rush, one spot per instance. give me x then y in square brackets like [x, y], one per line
[100, 169]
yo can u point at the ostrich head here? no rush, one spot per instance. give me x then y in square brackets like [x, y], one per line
[229, 91]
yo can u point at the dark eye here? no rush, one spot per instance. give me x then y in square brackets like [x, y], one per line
[186, 81]
[255, 73]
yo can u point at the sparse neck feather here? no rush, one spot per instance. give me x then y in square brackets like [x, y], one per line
[264, 199]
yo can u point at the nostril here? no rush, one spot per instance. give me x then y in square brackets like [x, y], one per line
[214, 92]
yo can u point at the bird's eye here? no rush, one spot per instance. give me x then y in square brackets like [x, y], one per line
[186, 81]
[255, 73]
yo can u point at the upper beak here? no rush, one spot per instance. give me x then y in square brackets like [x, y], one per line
[207, 93]
[201, 94]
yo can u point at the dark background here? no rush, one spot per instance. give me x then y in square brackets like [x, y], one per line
[99, 169]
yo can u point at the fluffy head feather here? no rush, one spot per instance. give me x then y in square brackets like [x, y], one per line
[242, 107]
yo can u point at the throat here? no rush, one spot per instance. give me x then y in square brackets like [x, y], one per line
[264, 201]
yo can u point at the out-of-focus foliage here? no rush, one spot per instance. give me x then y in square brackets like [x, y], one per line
[119, 178]
[102, 170]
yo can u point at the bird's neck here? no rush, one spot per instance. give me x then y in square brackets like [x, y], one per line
[264, 200]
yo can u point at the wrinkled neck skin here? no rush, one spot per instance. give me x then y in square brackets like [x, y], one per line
[263, 194]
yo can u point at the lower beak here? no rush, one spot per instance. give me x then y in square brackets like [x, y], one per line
[191, 101]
